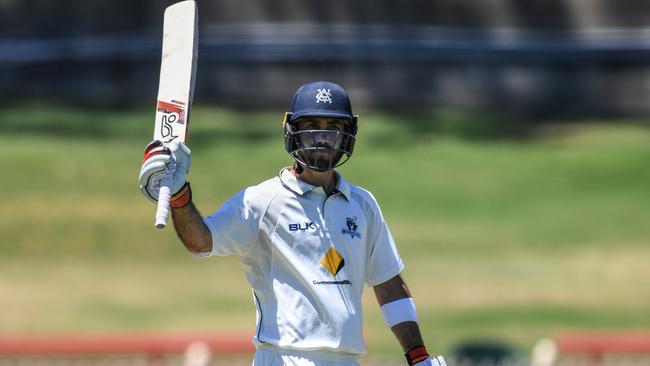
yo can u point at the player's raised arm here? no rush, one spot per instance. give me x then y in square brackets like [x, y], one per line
[191, 228]
[398, 309]
[175, 162]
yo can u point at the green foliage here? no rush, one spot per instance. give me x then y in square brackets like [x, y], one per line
[508, 230]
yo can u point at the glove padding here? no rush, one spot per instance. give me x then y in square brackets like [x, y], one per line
[432, 361]
[159, 160]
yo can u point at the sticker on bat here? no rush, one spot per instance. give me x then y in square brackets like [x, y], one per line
[170, 113]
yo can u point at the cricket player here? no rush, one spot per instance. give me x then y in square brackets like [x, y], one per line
[308, 241]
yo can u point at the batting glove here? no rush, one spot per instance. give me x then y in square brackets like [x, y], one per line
[435, 361]
[173, 160]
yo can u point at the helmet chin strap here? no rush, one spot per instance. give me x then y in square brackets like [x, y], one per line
[298, 168]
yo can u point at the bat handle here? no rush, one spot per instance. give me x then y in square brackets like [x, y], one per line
[162, 211]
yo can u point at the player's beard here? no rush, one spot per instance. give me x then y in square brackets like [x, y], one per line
[320, 150]
[320, 158]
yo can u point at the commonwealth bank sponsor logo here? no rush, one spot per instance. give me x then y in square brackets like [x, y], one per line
[333, 261]
[342, 282]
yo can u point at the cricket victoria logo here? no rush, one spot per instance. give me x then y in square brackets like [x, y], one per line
[351, 223]
[324, 95]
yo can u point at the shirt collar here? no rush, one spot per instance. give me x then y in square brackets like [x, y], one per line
[301, 187]
[343, 186]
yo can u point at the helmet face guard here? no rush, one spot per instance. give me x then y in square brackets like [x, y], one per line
[319, 150]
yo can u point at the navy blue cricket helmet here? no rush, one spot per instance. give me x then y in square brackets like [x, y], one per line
[320, 150]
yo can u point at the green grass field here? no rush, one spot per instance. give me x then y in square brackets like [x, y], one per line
[507, 236]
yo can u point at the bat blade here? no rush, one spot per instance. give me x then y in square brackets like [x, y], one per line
[176, 86]
[177, 71]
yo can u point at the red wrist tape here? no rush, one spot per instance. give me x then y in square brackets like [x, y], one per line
[182, 198]
[416, 354]
[154, 148]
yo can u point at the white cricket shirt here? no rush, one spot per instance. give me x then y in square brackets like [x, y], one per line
[307, 257]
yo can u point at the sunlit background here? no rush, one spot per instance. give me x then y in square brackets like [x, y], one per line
[507, 142]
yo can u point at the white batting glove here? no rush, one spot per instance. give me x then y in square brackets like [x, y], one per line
[432, 361]
[159, 160]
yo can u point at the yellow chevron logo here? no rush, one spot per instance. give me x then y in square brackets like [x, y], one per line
[333, 261]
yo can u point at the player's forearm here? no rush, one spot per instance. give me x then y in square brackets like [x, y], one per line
[408, 334]
[191, 229]
[398, 309]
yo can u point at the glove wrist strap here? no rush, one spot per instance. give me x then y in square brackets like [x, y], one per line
[416, 354]
[182, 198]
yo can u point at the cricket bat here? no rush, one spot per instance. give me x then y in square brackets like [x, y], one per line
[176, 87]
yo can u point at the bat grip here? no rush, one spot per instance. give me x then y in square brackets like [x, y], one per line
[162, 211]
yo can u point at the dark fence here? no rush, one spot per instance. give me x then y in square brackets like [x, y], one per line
[533, 56]
[47, 18]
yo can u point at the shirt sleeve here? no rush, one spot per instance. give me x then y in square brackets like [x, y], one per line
[383, 262]
[234, 227]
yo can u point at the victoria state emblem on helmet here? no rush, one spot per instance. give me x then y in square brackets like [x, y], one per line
[351, 223]
[324, 95]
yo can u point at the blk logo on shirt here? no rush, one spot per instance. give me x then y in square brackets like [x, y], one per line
[302, 227]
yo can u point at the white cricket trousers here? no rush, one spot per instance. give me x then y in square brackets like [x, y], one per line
[273, 356]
